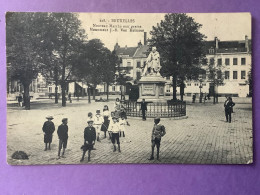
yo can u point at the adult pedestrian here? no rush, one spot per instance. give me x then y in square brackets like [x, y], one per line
[144, 109]
[229, 104]
[63, 136]
[48, 129]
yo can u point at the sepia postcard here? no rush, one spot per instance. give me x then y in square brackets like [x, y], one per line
[106, 88]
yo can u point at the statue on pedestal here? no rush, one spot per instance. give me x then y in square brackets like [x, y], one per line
[152, 66]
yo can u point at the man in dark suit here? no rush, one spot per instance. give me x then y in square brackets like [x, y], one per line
[144, 109]
[228, 108]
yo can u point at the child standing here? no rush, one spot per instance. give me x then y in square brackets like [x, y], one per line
[123, 122]
[98, 121]
[48, 129]
[106, 115]
[157, 133]
[63, 136]
[89, 139]
[114, 128]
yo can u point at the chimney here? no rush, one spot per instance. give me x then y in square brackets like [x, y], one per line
[145, 38]
[216, 42]
[246, 43]
[125, 46]
[140, 44]
[116, 46]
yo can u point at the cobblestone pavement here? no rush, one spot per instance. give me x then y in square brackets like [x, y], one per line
[204, 137]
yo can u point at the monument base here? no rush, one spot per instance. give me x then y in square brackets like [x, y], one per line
[152, 89]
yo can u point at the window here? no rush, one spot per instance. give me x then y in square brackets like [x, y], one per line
[168, 78]
[227, 62]
[211, 51]
[226, 74]
[243, 74]
[234, 74]
[243, 61]
[219, 74]
[211, 61]
[128, 63]
[219, 62]
[50, 89]
[196, 84]
[234, 61]
[204, 76]
[138, 64]
[168, 88]
[113, 88]
[138, 75]
[204, 84]
[188, 84]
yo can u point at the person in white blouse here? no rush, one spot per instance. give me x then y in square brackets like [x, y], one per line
[114, 129]
[98, 121]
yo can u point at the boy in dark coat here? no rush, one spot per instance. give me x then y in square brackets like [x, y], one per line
[157, 133]
[48, 129]
[63, 136]
[89, 139]
[144, 109]
[228, 108]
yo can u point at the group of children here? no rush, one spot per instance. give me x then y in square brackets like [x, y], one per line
[112, 123]
[49, 128]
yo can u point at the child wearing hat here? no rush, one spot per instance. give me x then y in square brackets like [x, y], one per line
[114, 129]
[63, 136]
[157, 133]
[89, 139]
[48, 129]
[98, 121]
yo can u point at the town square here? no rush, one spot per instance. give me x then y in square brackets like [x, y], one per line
[89, 88]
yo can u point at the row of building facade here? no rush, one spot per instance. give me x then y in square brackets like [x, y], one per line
[232, 57]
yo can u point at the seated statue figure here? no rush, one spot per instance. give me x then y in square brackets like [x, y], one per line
[152, 66]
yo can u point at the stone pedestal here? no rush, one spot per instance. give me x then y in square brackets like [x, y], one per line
[152, 89]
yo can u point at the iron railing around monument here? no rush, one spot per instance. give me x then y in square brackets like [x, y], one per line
[158, 109]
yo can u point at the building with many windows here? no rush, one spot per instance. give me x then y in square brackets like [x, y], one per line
[233, 58]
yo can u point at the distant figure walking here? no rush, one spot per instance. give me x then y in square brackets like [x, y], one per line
[48, 129]
[20, 100]
[144, 109]
[63, 136]
[229, 104]
[193, 98]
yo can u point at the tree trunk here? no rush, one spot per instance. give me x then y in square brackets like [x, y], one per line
[107, 90]
[56, 85]
[63, 93]
[56, 93]
[26, 96]
[182, 90]
[174, 87]
[88, 91]
[94, 92]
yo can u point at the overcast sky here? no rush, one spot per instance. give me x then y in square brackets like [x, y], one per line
[226, 26]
